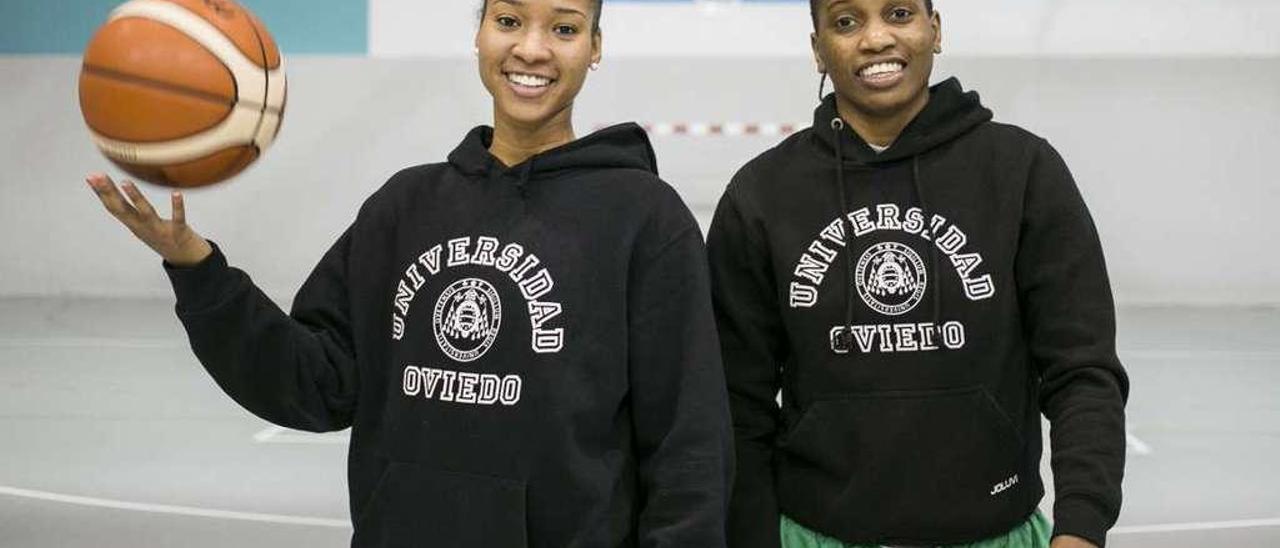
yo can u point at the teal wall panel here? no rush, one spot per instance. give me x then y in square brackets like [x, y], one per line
[299, 26]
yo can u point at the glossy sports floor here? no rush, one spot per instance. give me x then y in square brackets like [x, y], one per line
[112, 435]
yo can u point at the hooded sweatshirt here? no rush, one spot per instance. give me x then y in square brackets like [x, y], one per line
[526, 356]
[916, 356]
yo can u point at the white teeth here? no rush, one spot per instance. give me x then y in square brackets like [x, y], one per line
[881, 68]
[528, 80]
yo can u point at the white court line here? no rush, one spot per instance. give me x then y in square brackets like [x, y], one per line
[279, 434]
[267, 434]
[91, 342]
[1243, 355]
[1197, 526]
[1136, 446]
[176, 510]
[344, 524]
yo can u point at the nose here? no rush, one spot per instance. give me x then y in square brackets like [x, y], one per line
[532, 47]
[876, 37]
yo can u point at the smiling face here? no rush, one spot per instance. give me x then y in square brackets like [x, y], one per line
[878, 53]
[534, 56]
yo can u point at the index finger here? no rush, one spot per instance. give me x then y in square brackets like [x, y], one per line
[140, 202]
[111, 198]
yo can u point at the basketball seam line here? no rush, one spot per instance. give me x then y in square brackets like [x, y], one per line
[214, 24]
[181, 90]
[266, 83]
[166, 86]
[235, 81]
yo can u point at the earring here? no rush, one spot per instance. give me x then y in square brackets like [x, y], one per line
[475, 51]
[595, 66]
[937, 50]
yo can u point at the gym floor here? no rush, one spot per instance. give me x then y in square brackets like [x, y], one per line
[114, 436]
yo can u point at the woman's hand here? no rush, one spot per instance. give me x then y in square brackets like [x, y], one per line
[172, 239]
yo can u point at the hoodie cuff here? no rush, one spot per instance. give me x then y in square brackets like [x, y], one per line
[1080, 517]
[202, 286]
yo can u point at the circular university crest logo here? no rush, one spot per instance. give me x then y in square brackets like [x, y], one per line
[891, 278]
[466, 319]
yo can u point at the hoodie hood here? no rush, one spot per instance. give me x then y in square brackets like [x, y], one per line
[951, 112]
[623, 146]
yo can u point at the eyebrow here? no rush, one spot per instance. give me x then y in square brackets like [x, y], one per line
[831, 6]
[557, 9]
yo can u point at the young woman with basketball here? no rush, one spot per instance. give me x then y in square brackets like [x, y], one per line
[520, 338]
[921, 283]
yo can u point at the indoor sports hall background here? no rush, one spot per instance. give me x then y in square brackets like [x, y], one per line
[1167, 111]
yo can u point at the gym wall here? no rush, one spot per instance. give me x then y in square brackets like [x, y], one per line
[1168, 128]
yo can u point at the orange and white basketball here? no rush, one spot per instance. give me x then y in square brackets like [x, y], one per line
[182, 93]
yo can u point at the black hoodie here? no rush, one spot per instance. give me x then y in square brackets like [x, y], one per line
[526, 356]
[914, 367]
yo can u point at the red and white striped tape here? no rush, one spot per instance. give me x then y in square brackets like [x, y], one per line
[727, 129]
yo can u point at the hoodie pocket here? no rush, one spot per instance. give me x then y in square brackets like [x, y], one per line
[904, 465]
[416, 506]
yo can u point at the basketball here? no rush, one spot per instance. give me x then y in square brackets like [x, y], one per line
[182, 93]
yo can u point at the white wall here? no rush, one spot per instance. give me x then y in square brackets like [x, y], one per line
[1174, 157]
[971, 28]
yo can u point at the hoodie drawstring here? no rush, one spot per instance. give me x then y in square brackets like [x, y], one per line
[844, 339]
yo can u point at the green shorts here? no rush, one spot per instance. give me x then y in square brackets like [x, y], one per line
[1033, 533]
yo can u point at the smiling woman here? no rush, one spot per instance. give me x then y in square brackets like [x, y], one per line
[911, 401]
[533, 59]
[520, 338]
